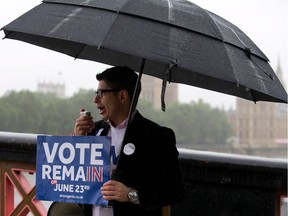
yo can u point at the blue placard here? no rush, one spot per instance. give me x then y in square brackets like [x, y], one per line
[72, 168]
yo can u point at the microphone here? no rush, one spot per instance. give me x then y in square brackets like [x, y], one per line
[83, 112]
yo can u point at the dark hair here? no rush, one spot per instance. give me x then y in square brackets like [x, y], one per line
[120, 77]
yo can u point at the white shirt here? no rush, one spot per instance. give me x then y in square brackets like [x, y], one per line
[117, 135]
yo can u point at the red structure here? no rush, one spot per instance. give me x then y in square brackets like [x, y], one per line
[17, 194]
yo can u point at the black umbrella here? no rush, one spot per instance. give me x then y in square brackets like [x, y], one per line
[179, 41]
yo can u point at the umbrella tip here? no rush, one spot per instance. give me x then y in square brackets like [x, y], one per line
[248, 52]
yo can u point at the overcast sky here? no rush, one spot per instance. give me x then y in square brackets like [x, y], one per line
[23, 65]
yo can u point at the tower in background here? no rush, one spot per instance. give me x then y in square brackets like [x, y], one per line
[49, 87]
[151, 91]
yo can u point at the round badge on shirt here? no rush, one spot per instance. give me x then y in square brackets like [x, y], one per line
[129, 149]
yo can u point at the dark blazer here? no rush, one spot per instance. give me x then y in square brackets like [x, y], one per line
[153, 169]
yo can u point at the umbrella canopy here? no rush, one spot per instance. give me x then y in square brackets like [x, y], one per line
[180, 42]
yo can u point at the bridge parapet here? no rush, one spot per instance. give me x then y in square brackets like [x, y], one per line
[216, 183]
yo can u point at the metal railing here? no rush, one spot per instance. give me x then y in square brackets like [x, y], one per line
[216, 183]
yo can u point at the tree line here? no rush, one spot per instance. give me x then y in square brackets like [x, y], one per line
[33, 112]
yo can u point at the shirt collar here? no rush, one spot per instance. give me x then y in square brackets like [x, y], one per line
[123, 124]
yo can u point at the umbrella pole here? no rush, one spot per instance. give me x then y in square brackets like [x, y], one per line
[117, 171]
[136, 92]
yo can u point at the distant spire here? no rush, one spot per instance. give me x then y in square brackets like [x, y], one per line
[279, 73]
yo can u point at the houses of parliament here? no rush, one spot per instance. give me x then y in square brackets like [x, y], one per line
[261, 128]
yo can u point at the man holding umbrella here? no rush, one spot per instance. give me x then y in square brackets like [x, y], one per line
[146, 174]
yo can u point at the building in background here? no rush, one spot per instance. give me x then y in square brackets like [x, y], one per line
[261, 129]
[51, 87]
[57, 89]
[151, 91]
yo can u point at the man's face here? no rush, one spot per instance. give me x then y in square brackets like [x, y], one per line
[109, 104]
